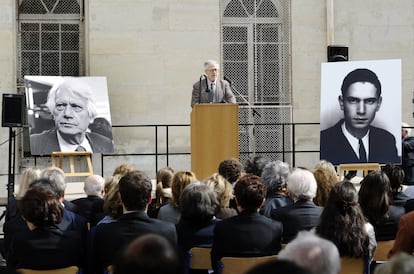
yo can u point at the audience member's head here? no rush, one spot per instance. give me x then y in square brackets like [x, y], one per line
[151, 254]
[279, 267]
[199, 204]
[254, 165]
[94, 185]
[396, 176]
[274, 176]
[405, 130]
[231, 169]
[112, 205]
[180, 180]
[222, 188]
[48, 185]
[28, 176]
[375, 196]
[401, 263]
[313, 253]
[164, 180]
[301, 185]
[123, 169]
[40, 208]
[343, 223]
[250, 193]
[326, 177]
[57, 177]
[110, 182]
[135, 191]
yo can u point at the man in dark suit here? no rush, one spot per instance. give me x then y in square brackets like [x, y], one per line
[73, 108]
[353, 139]
[303, 214]
[91, 207]
[249, 233]
[110, 239]
[210, 89]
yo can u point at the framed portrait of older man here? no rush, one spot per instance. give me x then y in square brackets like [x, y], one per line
[361, 112]
[68, 114]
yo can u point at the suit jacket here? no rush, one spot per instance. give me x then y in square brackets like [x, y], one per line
[90, 208]
[70, 222]
[47, 142]
[247, 234]
[190, 235]
[223, 93]
[45, 248]
[408, 159]
[111, 238]
[387, 230]
[302, 215]
[404, 241]
[335, 147]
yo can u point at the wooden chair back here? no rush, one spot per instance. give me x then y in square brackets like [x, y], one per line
[354, 265]
[66, 270]
[240, 265]
[199, 258]
[381, 252]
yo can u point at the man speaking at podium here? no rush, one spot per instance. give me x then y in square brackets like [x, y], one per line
[209, 89]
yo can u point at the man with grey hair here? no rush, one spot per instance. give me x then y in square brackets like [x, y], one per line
[210, 89]
[313, 253]
[303, 214]
[407, 153]
[91, 206]
[73, 108]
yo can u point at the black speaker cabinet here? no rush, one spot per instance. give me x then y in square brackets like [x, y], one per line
[12, 110]
[337, 53]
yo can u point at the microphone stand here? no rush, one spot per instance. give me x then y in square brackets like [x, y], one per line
[249, 106]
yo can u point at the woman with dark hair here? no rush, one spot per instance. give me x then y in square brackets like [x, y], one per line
[396, 176]
[375, 199]
[43, 245]
[199, 206]
[343, 223]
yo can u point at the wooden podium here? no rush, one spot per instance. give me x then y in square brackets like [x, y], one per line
[214, 137]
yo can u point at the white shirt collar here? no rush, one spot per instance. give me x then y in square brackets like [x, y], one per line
[354, 142]
[65, 146]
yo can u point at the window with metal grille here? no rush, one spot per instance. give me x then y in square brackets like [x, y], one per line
[49, 42]
[256, 57]
[50, 38]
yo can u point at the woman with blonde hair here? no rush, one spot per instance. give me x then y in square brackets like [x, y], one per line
[171, 212]
[326, 178]
[224, 193]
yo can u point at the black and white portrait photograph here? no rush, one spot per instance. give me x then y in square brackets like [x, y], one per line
[361, 112]
[68, 114]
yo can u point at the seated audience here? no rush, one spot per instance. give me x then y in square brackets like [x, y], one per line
[396, 176]
[90, 207]
[279, 267]
[135, 194]
[249, 233]
[231, 169]
[224, 193]
[162, 192]
[170, 212]
[303, 214]
[317, 255]
[274, 177]
[401, 263]
[150, 253]
[404, 241]
[44, 245]
[254, 165]
[326, 177]
[199, 206]
[375, 200]
[343, 223]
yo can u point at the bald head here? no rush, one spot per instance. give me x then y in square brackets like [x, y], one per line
[94, 185]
